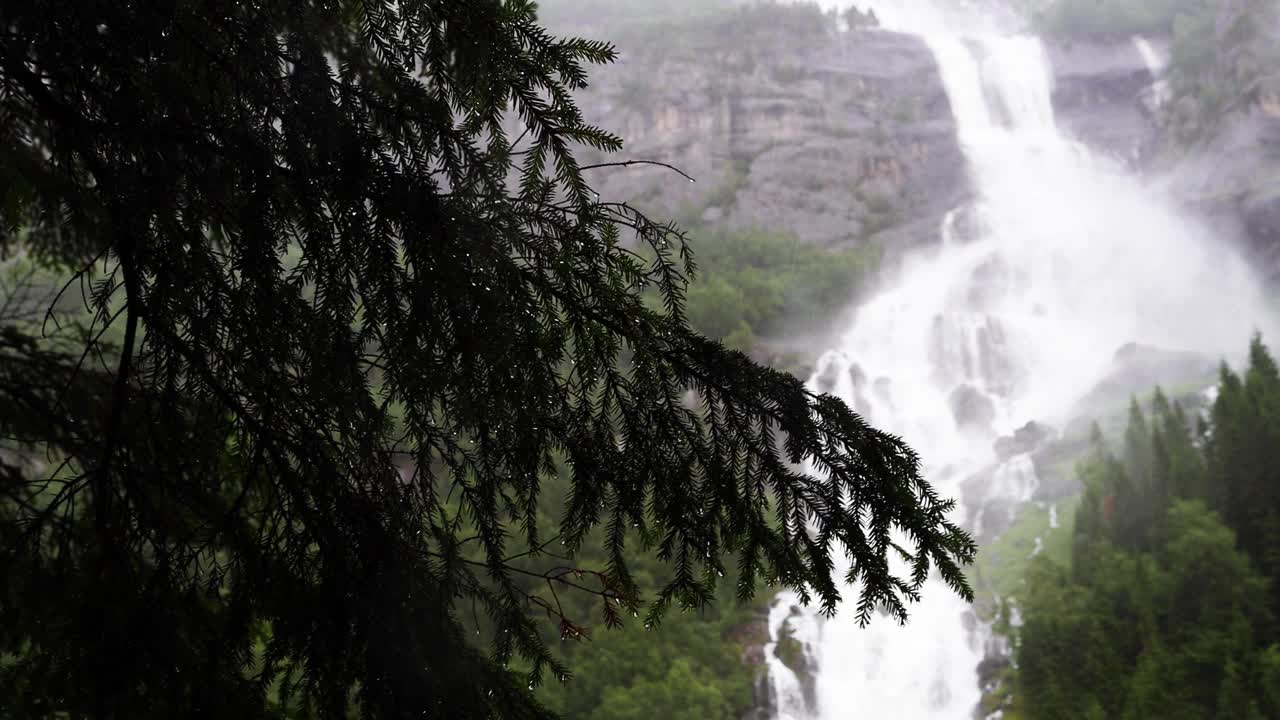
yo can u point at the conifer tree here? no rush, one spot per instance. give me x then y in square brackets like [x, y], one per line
[1092, 518]
[1137, 448]
[1179, 623]
[344, 323]
[1243, 453]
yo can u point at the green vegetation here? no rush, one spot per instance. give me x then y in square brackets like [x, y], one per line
[690, 666]
[1107, 19]
[1220, 49]
[751, 281]
[688, 669]
[1001, 566]
[907, 109]
[726, 193]
[882, 213]
[1219, 56]
[1168, 604]
[394, 410]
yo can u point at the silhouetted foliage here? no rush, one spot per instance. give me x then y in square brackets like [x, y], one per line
[342, 328]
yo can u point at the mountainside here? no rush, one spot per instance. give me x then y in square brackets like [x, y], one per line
[1233, 174]
[1099, 91]
[841, 138]
[846, 138]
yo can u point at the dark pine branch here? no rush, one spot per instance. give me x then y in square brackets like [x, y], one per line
[324, 267]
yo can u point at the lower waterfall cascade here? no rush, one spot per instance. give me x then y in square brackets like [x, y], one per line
[1064, 256]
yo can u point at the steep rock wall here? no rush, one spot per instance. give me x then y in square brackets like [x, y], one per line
[1097, 94]
[841, 138]
[1234, 176]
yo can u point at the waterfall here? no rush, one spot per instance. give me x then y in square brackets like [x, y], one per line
[1072, 258]
[1160, 91]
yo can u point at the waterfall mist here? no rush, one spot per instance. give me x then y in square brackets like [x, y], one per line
[1061, 257]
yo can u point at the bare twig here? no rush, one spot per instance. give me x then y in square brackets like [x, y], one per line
[628, 163]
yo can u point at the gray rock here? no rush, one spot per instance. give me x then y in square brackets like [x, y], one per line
[827, 381]
[968, 223]
[1136, 369]
[1025, 439]
[842, 140]
[1260, 215]
[1096, 92]
[971, 408]
[1232, 176]
[990, 668]
[857, 376]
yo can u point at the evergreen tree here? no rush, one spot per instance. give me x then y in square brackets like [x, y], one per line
[344, 328]
[1186, 469]
[1244, 452]
[1097, 502]
[1146, 496]
[1179, 622]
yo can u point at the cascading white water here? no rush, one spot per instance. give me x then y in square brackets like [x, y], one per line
[1160, 91]
[1073, 258]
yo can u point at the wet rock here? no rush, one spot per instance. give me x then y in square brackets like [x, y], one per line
[791, 652]
[798, 658]
[994, 516]
[990, 281]
[971, 408]
[995, 678]
[1024, 440]
[1260, 214]
[753, 637]
[990, 668]
[753, 633]
[1096, 88]
[1231, 178]
[828, 379]
[857, 376]
[1055, 464]
[967, 223]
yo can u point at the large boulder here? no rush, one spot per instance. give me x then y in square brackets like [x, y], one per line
[971, 408]
[1025, 439]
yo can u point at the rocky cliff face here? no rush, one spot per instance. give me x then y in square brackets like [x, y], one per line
[846, 137]
[1097, 94]
[841, 138]
[1234, 175]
